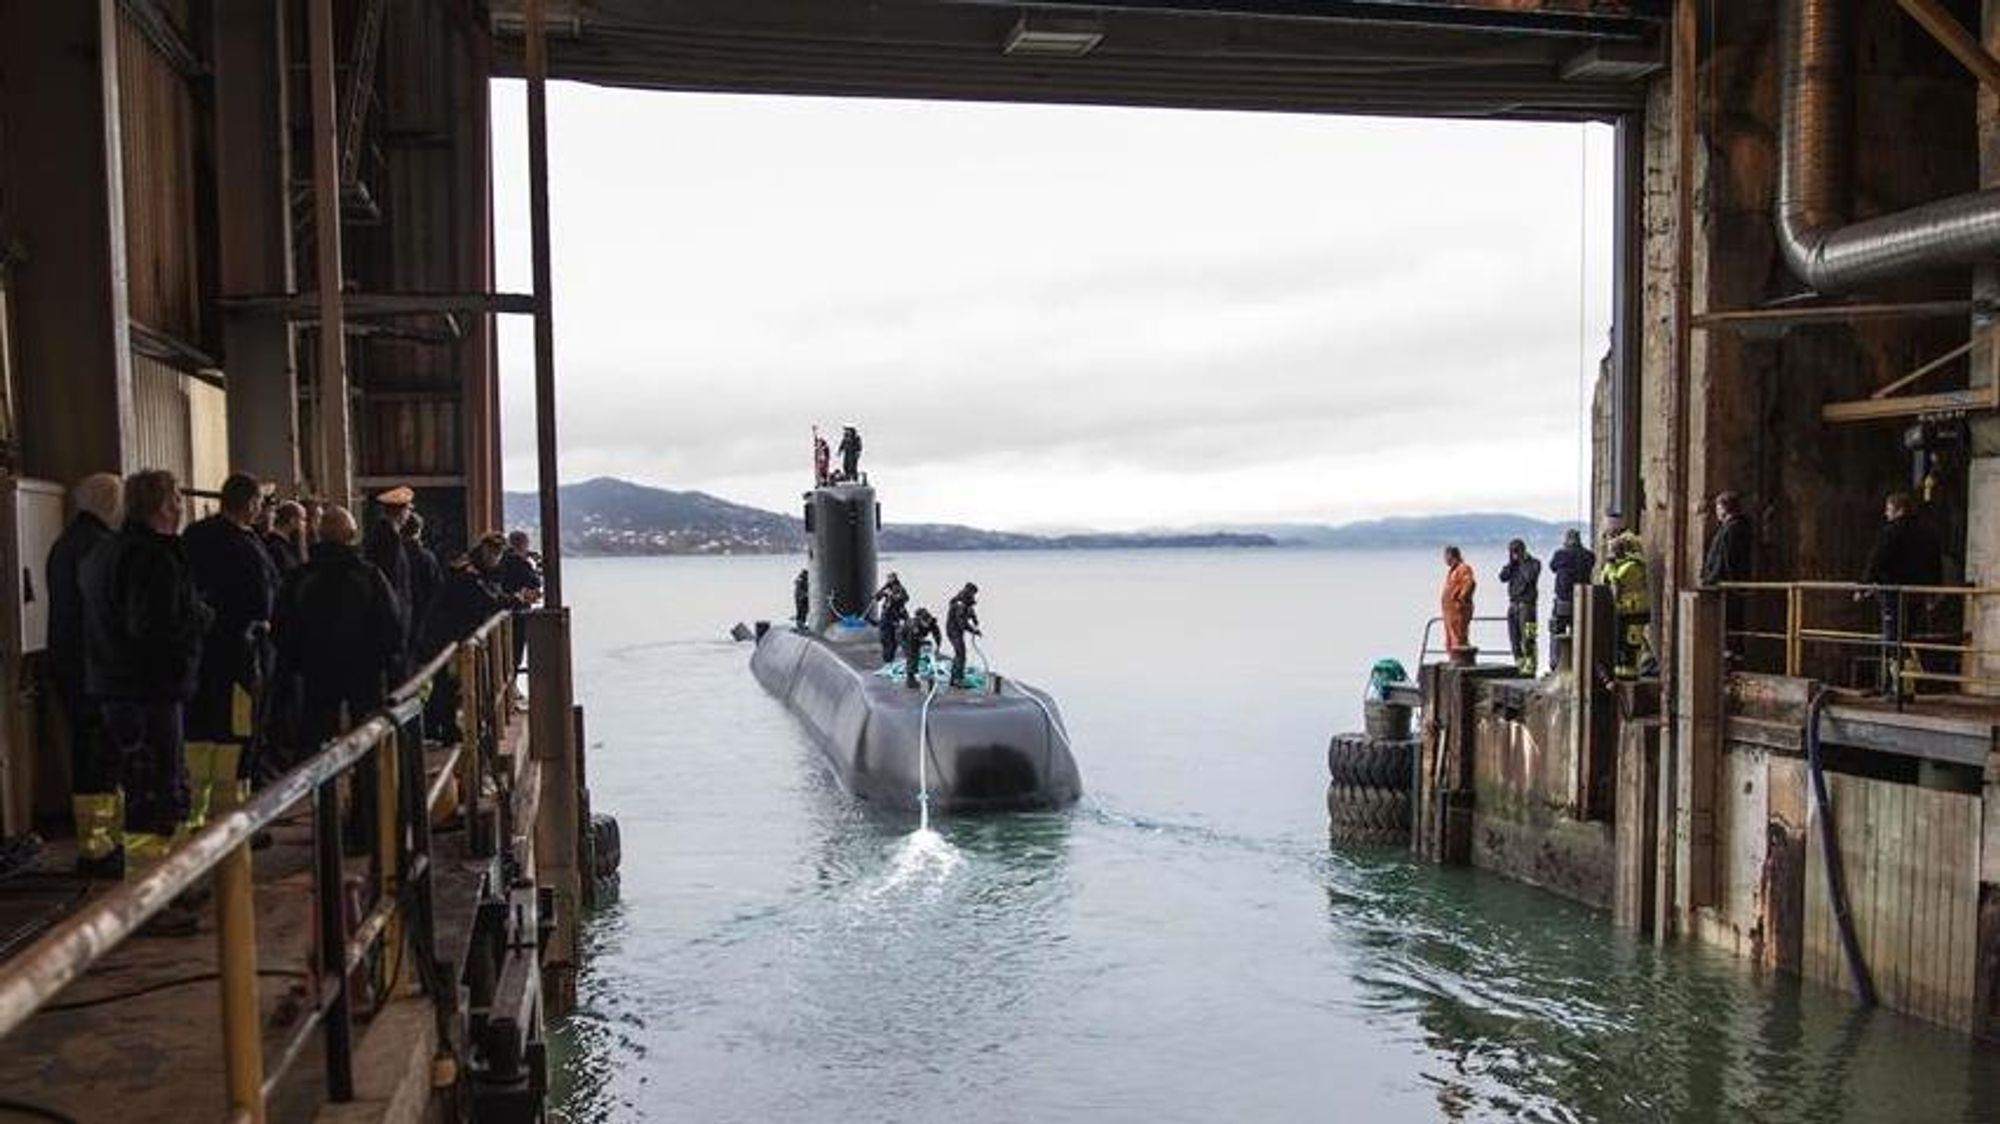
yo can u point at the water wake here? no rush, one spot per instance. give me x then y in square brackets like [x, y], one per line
[923, 856]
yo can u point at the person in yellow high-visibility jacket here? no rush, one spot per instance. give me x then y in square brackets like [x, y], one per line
[1632, 603]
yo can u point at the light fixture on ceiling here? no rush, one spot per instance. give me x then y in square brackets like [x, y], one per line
[1053, 37]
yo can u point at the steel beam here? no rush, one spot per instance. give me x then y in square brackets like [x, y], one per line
[1952, 35]
[305, 307]
[545, 346]
[335, 470]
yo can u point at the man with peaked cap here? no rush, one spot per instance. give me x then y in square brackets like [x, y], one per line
[384, 547]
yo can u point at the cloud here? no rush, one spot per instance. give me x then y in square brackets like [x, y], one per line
[1131, 317]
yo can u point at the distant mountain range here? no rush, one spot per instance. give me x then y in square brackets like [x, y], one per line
[610, 516]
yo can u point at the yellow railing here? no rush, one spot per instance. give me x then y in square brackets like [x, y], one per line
[1798, 631]
[401, 858]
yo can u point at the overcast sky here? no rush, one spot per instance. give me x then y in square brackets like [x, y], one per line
[1063, 317]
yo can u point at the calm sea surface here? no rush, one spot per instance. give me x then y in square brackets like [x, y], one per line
[1183, 946]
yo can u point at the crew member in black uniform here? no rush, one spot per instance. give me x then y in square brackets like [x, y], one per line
[1523, 575]
[1728, 560]
[1905, 553]
[426, 575]
[895, 606]
[961, 617]
[521, 583]
[143, 628]
[801, 598]
[913, 633]
[285, 542]
[850, 454]
[384, 547]
[94, 797]
[466, 600]
[233, 573]
[1571, 565]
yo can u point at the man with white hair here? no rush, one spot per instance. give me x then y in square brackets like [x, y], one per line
[94, 797]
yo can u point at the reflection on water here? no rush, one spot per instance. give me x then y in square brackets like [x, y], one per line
[1181, 946]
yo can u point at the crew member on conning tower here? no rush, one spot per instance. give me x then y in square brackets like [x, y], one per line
[850, 454]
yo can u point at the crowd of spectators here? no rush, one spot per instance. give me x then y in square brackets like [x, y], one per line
[189, 665]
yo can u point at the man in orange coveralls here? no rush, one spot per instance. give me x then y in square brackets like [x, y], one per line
[1459, 583]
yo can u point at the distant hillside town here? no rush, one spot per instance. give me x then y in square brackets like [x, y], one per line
[607, 516]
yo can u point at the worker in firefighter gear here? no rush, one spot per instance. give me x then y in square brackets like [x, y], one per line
[233, 573]
[1455, 600]
[913, 633]
[961, 618]
[850, 454]
[1632, 604]
[1614, 526]
[892, 606]
[1523, 575]
[801, 599]
[1570, 566]
[143, 625]
[1906, 553]
[94, 797]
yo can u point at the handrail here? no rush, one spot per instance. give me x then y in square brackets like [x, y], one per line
[68, 950]
[1796, 633]
[1425, 650]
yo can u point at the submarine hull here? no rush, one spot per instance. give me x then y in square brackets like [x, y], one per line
[987, 752]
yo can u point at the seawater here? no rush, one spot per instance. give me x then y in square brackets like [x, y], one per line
[1182, 946]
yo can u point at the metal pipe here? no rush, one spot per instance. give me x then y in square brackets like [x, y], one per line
[236, 956]
[545, 342]
[1820, 245]
[336, 470]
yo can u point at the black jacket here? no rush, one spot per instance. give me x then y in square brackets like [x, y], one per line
[233, 574]
[1728, 557]
[518, 573]
[84, 534]
[339, 629]
[284, 554]
[1570, 566]
[384, 547]
[895, 603]
[143, 620]
[1905, 553]
[461, 605]
[426, 576]
[961, 617]
[914, 631]
[1523, 580]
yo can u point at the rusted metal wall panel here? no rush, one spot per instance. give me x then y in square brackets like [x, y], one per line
[161, 397]
[159, 120]
[412, 437]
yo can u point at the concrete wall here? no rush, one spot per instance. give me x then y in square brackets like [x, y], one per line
[1524, 768]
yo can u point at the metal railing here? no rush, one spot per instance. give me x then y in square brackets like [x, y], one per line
[400, 860]
[1425, 651]
[1899, 648]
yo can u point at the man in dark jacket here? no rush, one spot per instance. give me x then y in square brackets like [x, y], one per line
[466, 600]
[384, 547]
[233, 573]
[94, 798]
[339, 629]
[801, 598]
[520, 584]
[912, 634]
[893, 601]
[1728, 560]
[1523, 575]
[426, 575]
[961, 618]
[143, 627]
[285, 542]
[1570, 565]
[1906, 553]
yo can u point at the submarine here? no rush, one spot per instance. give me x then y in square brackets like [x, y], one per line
[996, 745]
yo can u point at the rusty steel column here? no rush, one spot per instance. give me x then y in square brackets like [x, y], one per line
[336, 467]
[545, 340]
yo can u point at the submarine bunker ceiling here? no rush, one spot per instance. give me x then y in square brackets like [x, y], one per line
[1499, 59]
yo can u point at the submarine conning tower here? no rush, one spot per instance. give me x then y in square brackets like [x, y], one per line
[841, 521]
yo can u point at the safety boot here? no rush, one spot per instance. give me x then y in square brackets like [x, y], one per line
[100, 822]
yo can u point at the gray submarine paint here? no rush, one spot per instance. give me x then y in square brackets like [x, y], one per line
[1003, 748]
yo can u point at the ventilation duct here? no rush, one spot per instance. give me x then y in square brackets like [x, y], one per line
[1824, 249]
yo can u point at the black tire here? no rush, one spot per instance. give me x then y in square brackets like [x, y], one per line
[605, 888]
[1386, 721]
[606, 847]
[1352, 759]
[1360, 814]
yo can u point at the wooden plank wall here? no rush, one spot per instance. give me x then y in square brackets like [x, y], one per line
[1912, 867]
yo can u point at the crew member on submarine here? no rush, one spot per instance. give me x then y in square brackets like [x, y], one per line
[850, 454]
[961, 617]
[913, 633]
[801, 598]
[894, 601]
